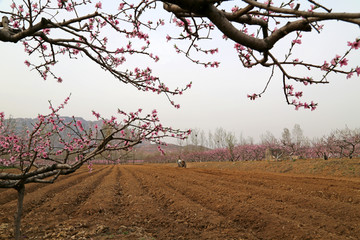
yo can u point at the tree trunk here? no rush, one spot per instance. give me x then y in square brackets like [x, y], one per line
[17, 222]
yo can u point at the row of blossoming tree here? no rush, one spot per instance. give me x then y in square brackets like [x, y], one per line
[223, 146]
[108, 34]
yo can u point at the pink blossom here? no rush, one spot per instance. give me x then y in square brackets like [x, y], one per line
[215, 64]
[319, 27]
[121, 6]
[212, 51]
[312, 8]
[60, 3]
[295, 61]
[119, 50]
[98, 5]
[343, 62]
[354, 45]
[234, 9]
[296, 41]
[325, 66]
[335, 60]
[357, 70]
[252, 97]
[69, 7]
[298, 94]
[289, 87]
[46, 31]
[79, 124]
[27, 63]
[16, 24]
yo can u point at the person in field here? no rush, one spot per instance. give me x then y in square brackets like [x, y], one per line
[181, 163]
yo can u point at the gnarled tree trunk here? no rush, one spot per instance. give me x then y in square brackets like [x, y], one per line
[17, 223]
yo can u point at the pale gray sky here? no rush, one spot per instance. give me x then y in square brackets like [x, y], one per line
[217, 98]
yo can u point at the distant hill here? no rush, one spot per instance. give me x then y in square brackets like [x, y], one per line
[144, 148]
[21, 123]
[150, 148]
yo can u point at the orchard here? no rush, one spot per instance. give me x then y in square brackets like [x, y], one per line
[108, 34]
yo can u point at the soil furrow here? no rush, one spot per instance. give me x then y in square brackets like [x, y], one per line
[8, 195]
[335, 216]
[33, 201]
[291, 193]
[139, 208]
[277, 210]
[333, 187]
[63, 205]
[183, 210]
[239, 214]
[166, 202]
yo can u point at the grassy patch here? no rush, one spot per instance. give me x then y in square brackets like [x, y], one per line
[7, 167]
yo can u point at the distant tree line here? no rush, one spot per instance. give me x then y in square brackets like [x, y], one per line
[223, 145]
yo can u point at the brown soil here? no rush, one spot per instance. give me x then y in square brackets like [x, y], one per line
[200, 202]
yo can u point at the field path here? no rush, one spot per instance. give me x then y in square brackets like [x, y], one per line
[166, 202]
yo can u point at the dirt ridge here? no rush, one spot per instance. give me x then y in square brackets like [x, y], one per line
[166, 202]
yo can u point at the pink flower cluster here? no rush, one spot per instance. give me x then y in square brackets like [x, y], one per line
[289, 90]
[244, 54]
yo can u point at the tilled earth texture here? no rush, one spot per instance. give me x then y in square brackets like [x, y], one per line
[203, 201]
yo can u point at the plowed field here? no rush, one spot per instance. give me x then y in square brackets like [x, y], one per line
[166, 202]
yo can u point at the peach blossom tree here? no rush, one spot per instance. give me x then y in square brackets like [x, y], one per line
[256, 27]
[75, 29]
[55, 146]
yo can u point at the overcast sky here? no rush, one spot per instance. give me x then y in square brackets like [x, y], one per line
[217, 98]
